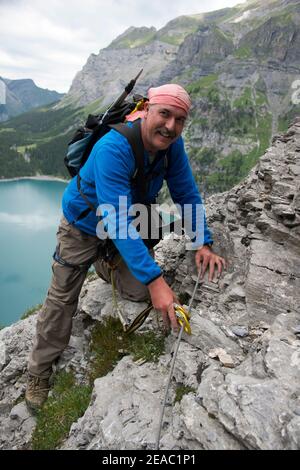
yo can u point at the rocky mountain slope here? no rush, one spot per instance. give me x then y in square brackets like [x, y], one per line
[242, 361]
[239, 64]
[19, 96]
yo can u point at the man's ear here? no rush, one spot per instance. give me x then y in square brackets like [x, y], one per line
[146, 109]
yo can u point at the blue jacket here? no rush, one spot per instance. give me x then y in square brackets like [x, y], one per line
[107, 174]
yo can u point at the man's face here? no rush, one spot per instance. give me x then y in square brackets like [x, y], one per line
[161, 126]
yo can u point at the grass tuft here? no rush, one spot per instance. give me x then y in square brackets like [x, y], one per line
[110, 343]
[31, 311]
[66, 405]
[182, 390]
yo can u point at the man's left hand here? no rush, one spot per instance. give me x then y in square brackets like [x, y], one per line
[206, 258]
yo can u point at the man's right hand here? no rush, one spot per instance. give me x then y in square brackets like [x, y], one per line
[162, 298]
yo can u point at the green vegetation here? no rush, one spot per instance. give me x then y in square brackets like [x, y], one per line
[8, 129]
[41, 133]
[174, 40]
[231, 169]
[245, 100]
[92, 108]
[205, 159]
[66, 405]
[23, 149]
[261, 98]
[283, 123]
[109, 344]
[182, 390]
[286, 119]
[185, 76]
[46, 121]
[243, 52]
[134, 37]
[228, 172]
[130, 43]
[48, 157]
[202, 86]
[221, 15]
[178, 29]
[264, 133]
[244, 120]
[284, 19]
[222, 36]
[31, 311]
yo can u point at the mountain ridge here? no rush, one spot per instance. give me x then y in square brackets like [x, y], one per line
[21, 95]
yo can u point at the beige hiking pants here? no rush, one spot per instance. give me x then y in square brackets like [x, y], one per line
[54, 321]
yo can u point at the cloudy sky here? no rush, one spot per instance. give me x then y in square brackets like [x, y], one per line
[50, 41]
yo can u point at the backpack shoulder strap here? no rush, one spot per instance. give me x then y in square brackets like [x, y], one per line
[134, 137]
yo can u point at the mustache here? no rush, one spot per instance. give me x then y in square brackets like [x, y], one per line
[166, 133]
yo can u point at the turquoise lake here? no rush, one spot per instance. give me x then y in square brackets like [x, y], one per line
[30, 211]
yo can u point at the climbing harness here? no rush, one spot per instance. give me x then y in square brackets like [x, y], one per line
[78, 267]
[183, 319]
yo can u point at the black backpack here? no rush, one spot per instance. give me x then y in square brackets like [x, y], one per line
[96, 126]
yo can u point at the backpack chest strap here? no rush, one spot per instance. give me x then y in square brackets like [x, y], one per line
[134, 137]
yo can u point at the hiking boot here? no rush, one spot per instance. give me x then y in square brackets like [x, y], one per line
[36, 392]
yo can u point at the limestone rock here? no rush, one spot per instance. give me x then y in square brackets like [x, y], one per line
[222, 355]
[124, 410]
[256, 402]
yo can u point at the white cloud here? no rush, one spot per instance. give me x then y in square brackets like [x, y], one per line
[33, 222]
[51, 41]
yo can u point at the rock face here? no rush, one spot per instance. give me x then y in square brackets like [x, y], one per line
[242, 360]
[105, 75]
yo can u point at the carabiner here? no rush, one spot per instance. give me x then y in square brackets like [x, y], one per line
[183, 318]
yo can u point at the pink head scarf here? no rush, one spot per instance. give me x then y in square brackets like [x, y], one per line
[170, 94]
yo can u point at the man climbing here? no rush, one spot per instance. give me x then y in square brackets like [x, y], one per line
[105, 177]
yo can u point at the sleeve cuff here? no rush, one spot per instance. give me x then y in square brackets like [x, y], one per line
[153, 279]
